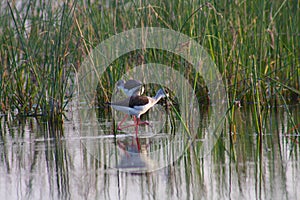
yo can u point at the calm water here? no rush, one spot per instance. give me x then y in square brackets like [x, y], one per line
[40, 161]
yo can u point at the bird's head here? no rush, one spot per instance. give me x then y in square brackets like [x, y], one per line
[161, 93]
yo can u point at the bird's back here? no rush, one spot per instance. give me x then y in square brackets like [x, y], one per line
[138, 101]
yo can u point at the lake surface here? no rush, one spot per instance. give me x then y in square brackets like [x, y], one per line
[44, 161]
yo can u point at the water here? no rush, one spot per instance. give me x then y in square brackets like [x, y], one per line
[40, 161]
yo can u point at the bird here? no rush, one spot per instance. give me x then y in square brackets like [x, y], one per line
[137, 106]
[131, 87]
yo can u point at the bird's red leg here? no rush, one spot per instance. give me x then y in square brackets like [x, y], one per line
[139, 123]
[123, 120]
[143, 122]
[138, 144]
[126, 126]
[136, 123]
[136, 120]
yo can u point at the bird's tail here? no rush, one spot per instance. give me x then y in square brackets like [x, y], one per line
[107, 103]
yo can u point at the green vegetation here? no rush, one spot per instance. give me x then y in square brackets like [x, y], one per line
[256, 46]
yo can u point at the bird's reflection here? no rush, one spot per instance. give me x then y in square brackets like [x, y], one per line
[134, 155]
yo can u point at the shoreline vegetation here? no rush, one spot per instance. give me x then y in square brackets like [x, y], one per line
[255, 45]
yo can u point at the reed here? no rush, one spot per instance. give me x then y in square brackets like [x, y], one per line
[254, 44]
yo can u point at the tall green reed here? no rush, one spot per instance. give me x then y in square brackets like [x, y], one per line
[43, 45]
[37, 62]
